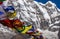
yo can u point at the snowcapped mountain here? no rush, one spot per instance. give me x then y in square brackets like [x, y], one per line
[33, 12]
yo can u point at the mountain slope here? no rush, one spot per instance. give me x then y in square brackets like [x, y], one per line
[33, 12]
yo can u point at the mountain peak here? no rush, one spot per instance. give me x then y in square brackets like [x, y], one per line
[50, 4]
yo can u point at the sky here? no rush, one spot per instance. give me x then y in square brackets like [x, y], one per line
[57, 2]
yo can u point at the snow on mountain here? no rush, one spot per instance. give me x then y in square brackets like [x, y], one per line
[48, 10]
[50, 4]
[33, 12]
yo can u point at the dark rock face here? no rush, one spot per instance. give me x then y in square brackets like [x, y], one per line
[44, 24]
[59, 34]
